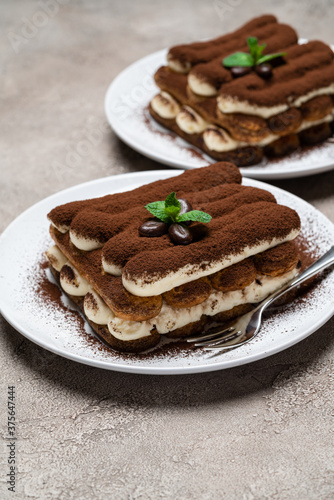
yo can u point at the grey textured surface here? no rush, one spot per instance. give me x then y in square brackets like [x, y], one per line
[261, 431]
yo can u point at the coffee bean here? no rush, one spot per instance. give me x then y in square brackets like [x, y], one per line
[179, 234]
[185, 207]
[153, 228]
[264, 71]
[238, 71]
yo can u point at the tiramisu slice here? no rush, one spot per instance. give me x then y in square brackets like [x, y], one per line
[251, 93]
[171, 257]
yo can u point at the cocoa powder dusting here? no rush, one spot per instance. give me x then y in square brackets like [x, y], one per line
[49, 291]
[91, 301]
[308, 67]
[222, 201]
[67, 274]
[246, 226]
[189, 181]
[51, 295]
[265, 26]
[277, 37]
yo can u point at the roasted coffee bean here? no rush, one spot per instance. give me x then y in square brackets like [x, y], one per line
[264, 71]
[238, 71]
[153, 228]
[185, 207]
[179, 234]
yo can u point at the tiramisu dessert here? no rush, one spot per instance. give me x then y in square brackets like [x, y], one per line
[250, 93]
[171, 257]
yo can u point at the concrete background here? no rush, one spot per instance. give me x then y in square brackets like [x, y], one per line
[262, 431]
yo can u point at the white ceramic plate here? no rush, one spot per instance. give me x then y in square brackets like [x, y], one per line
[58, 329]
[126, 104]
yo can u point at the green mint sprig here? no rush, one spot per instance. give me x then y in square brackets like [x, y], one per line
[169, 211]
[254, 57]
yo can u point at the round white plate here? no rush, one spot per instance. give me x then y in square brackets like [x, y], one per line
[126, 104]
[57, 328]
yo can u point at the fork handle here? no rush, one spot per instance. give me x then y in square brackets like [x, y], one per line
[325, 261]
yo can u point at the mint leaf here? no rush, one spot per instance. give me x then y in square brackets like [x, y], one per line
[194, 215]
[172, 206]
[172, 212]
[252, 45]
[156, 204]
[157, 208]
[169, 211]
[172, 201]
[269, 57]
[254, 48]
[253, 58]
[238, 59]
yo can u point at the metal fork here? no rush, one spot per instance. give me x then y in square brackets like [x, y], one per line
[245, 328]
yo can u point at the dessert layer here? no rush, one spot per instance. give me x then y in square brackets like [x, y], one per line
[227, 132]
[242, 125]
[101, 315]
[170, 318]
[239, 130]
[245, 221]
[307, 73]
[245, 283]
[144, 284]
[300, 60]
[182, 58]
[291, 132]
[191, 181]
[224, 201]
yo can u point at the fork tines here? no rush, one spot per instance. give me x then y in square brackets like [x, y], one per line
[213, 336]
[220, 341]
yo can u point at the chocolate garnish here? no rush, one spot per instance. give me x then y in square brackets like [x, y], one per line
[179, 234]
[153, 228]
[238, 71]
[264, 70]
[185, 207]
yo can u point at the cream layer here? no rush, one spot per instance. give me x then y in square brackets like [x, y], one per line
[305, 124]
[171, 318]
[165, 105]
[201, 87]
[177, 65]
[190, 272]
[70, 279]
[83, 243]
[72, 282]
[229, 104]
[218, 139]
[190, 121]
[62, 228]
[111, 268]
[56, 258]
[96, 309]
